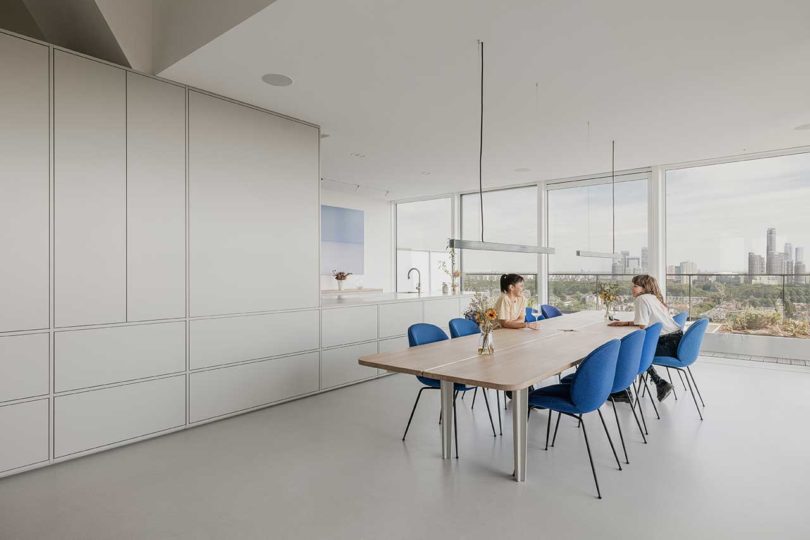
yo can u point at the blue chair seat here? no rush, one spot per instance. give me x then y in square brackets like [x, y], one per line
[668, 361]
[556, 397]
[436, 383]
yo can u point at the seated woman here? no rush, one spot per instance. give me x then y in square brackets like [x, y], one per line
[511, 308]
[511, 305]
[649, 308]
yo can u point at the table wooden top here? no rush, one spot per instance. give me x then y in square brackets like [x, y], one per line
[522, 357]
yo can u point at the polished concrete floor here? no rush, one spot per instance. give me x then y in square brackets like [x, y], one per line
[333, 466]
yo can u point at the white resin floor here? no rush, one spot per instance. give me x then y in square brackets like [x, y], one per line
[333, 466]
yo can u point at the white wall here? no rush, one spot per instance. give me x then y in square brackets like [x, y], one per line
[377, 252]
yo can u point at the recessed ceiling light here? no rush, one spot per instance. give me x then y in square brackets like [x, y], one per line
[276, 79]
[425, 173]
[357, 155]
[522, 169]
[324, 135]
[803, 127]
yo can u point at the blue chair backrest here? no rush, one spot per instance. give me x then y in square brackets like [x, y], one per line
[651, 335]
[530, 316]
[549, 311]
[423, 333]
[630, 351]
[594, 377]
[689, 347]
[680, 318]
[463, 327]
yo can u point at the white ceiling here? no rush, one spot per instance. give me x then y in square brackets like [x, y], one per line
[397, 81]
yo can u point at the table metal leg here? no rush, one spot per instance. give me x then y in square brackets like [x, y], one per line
[520, 409]
[447, 425]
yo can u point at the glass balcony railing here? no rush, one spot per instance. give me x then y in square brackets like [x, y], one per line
[756, 304]
[491, 284]
[577, 292]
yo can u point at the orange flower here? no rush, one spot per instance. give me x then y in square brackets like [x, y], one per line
[492, 314]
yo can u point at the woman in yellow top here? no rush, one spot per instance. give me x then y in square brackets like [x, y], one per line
[511, 305]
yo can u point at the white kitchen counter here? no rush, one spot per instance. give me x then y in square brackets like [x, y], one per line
[385, 298]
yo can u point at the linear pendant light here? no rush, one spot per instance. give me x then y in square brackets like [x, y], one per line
[603, 254]
[458, 243]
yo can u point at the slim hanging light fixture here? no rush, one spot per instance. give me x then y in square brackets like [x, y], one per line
[458, 243]
[604, 254]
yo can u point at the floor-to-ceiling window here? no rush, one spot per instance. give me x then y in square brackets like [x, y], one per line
[510, 217]
[423, 229]
[580, 218]
[736, 235]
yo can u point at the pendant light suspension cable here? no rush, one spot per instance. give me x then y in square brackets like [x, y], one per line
[481, 143]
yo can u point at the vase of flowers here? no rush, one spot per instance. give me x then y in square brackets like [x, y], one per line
[482, 311]
[608, 293]
[451, 270]
[340, 277]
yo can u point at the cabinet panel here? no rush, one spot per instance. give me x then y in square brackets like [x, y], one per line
[339, 366]
[156, 199]
[23, 366]
[396, 318]
[439, 312]
[25, 434]
[235, 388]
[84, 358]
[348, 325]
[392, 345]
[253, 210]
[235, 339]
[90, 191]
[101, 417]
[24, 206]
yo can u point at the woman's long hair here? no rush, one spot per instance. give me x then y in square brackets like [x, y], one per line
[650, 286]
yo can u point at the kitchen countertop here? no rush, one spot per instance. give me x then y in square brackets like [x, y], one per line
[383, 298]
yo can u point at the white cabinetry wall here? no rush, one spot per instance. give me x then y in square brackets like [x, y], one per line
[165, 260]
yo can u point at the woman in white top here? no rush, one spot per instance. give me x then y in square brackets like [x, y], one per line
[511, 305]
[649, 308]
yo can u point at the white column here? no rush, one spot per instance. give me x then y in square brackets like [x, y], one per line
[656, 227]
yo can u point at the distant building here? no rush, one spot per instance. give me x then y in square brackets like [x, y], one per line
[645, 259]
[756, 265]
[687, 267]
[770, 252]
[788, 251]
[799, 258]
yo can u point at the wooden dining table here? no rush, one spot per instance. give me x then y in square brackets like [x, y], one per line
[522, 358]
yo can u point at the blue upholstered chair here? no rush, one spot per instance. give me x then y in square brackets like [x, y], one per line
[627, 365]
[688, 352]
[549, 311]
[465, 327]
[680, 318]
[651, 335]
[587, 391]
[530, 316]
[422, 334]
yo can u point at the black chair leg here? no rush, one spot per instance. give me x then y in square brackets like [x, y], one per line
[556, 427]
[604, 425]
[621, 436]
[674, 392]
[681, 377]
[691, 391]
[455, 422]
[498, 406]
[633, 408]
[475, 394]
[504, 401]
[486, 401]
[689, 369]
[651, 398]
[590, 458]
[415, 403]
[548, 426]
[640, 408]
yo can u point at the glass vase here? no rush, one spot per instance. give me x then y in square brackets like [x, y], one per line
[608, 312]
[486, 343]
